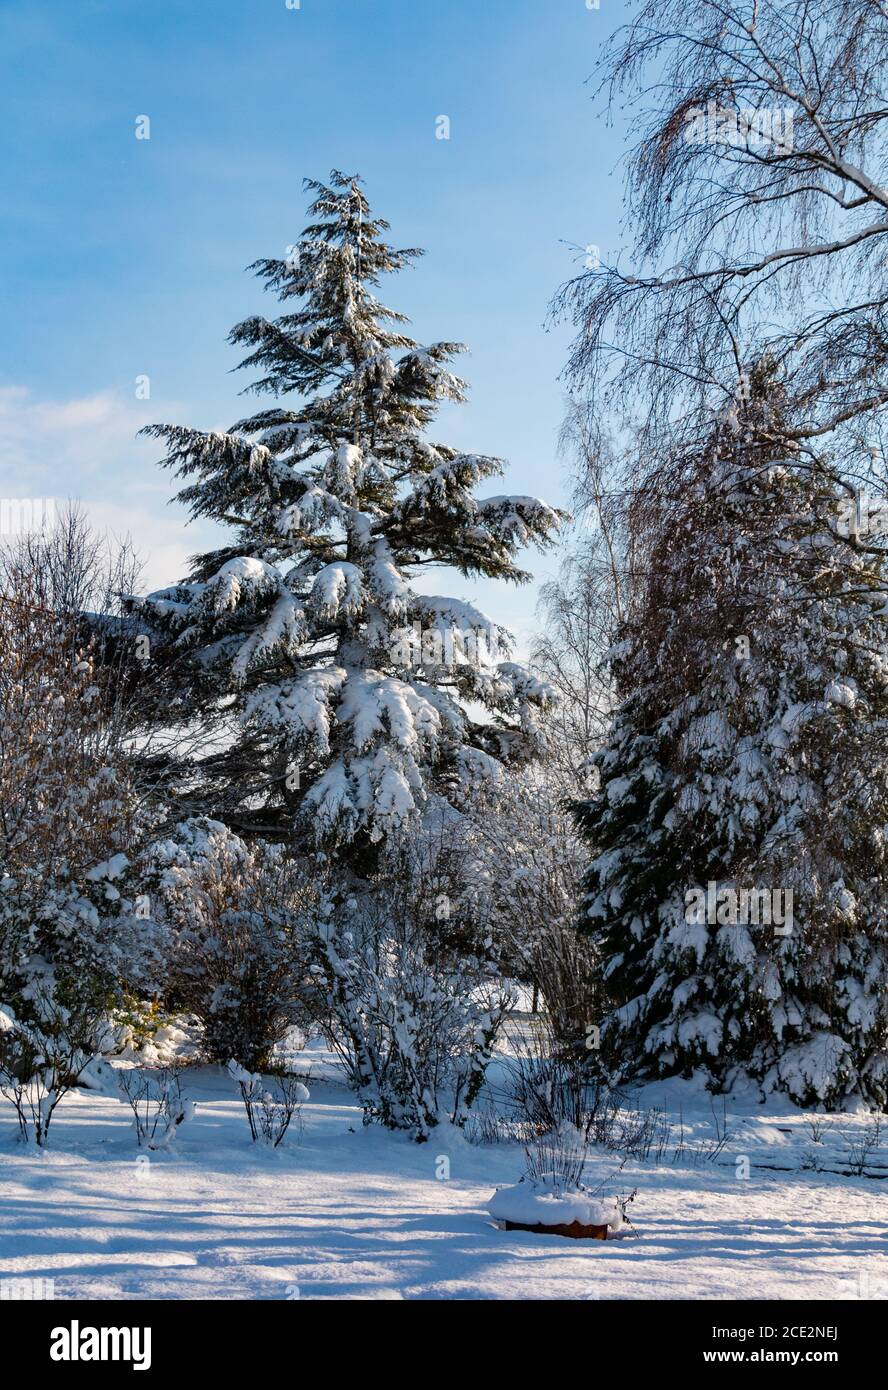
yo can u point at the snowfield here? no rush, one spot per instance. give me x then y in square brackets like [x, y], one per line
[349, 1212]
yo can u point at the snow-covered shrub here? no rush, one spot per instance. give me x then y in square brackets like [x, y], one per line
[238, 917]
[157, 1103]
[39, 1063]
[524, 864]
[414, 1004]
[271, 1102]
[549, 1093]
[145, 1031]
[67, 962]
[546, 1091]
[71, 938]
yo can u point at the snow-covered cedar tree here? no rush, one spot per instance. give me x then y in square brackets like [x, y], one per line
[748, 753]
[337, 694]
[73, 936]
[239, 920]
[414, 997]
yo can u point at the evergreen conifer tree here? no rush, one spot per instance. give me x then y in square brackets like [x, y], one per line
[337, 695]
[747, 758]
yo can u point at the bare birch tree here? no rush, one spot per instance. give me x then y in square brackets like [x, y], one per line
[756, 188]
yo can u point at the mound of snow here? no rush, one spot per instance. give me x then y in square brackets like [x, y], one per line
[98, 1075]
[837, 693]
[547, 1202]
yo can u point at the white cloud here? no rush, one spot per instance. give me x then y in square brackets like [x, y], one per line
[86, 449]
[48, 439]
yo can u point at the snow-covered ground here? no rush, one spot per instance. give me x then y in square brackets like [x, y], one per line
[348, 1212]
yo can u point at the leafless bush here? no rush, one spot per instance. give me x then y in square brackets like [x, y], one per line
[565, 1105]
[550, 1091]
[72, 822]
[528, 887]
[861, 1147]
[722, 1136]
[270, 1112]
[558, 1162]
[238, 917]
[556, 1096]
[414, 1002]
[641, 1134]
[43, 1058]
[485, 1124]
[560, 1157]
[157, 1104]
[711, 1149]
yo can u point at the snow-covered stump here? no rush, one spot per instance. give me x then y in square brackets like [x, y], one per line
[547, 1207]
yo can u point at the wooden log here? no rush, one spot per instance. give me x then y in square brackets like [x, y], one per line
[574, 1230]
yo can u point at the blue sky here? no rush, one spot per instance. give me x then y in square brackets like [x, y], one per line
[125, 257]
